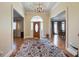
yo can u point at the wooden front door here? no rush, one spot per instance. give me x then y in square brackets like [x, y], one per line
[36, 30]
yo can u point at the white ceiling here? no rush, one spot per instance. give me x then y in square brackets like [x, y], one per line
[31, 6]
[59, 17]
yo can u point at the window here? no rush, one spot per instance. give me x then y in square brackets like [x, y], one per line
[63, 28]
[14, 25]
[55, 27]
[36, 27]
[37, 19]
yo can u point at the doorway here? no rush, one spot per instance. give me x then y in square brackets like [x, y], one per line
[59, 33]
[18, 29]
[36, 30]
[37, 27]
[58, 30]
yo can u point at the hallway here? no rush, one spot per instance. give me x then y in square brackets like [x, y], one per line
[24, 21]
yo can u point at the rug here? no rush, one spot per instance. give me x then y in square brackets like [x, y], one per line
[38, 48]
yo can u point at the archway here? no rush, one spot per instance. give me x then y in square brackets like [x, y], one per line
[34, 26]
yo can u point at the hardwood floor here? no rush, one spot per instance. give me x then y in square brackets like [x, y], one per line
[56, 40]
[59, 41]
[17, 42]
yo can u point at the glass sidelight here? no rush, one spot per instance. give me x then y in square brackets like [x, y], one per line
[36, 27]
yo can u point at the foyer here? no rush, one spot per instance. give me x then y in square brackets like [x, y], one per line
[39, 29]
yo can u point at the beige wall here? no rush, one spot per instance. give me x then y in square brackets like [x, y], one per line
[27, 22]
[5, 27]
[72, 21]
[6, 31]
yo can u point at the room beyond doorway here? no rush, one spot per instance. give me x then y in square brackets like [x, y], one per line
[18, 31]
[58, 33]
[18, 28]
[58, 29]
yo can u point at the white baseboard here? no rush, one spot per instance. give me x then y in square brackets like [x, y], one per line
[28, 37]
[70, 50]
[32, 37]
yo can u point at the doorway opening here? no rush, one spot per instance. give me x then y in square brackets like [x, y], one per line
[18, 29]
[37, 27]
[58, 30]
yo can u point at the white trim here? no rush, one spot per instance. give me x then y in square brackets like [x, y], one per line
[70, 50]
[28, 37]
[58, 13]
[54, 8]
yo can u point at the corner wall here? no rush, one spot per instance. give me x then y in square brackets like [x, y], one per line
[6, 30]
[72, 22]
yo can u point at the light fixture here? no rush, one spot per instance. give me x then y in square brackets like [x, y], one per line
[39, 8]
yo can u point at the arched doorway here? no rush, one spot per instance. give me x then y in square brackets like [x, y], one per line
[37, 27]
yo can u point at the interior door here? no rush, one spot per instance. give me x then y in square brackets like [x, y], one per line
[36, 30]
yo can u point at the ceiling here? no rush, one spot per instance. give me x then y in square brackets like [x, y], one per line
[17, 16]
[31, 6]
[59, 17]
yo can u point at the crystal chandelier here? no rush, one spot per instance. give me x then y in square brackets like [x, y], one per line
[39, 8]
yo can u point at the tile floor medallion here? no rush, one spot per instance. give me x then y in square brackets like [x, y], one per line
[40, 48]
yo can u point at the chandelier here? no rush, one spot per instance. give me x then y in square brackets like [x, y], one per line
[39, 8]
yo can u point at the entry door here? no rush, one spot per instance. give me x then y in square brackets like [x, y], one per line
[36, 30]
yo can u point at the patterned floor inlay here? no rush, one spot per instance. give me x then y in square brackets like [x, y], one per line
[34, 48]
